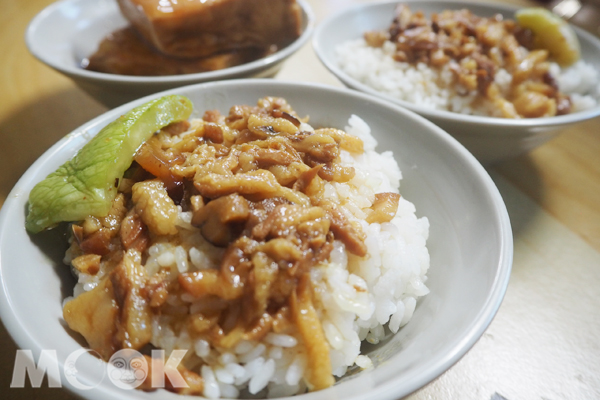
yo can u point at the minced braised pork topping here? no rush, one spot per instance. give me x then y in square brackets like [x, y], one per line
[253, 183]
[475, 49]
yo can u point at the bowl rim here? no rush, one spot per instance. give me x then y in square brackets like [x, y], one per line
[449, 116]
[386, 391]
[264, 63]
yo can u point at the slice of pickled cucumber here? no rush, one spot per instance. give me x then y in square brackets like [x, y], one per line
[551, 33]
[87, 184]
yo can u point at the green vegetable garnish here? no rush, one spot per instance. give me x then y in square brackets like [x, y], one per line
[552, 33]
[87, 184]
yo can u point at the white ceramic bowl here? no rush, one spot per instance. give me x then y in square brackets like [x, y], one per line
[470, 243]
[66, 32]
[489, 139]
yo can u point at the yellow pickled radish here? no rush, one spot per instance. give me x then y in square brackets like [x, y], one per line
[551, 33]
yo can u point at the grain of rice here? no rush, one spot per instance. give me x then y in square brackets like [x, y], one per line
[236, 370]
[211, 387]
[410, 303]
[397, 318]
[262, 376]
[275, 352]
[287, 356]
[228, 391]
[66, 300]
[183, 341]
[277, 339]
[376, 334]
[419, 287]
[243, 347]
[278, 377]
[295, 370]
[181, 259]
[185, 217]
[333, 335]
[168, 341]
[257, 351]
[154, 250]
[198, 259]
[228, 358]
[166, 259]
[249, 370]
[364, 362]
[202, 348]
[224, 376]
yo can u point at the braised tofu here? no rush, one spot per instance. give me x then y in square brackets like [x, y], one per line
[201, 28]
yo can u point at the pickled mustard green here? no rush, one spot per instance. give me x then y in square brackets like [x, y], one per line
[87, 184]
[551, 33]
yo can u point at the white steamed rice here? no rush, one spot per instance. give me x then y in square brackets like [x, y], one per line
[428, 87]
[355, 297]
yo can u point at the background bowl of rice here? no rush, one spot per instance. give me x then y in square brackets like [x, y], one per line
[68, 31]
[470, 244]
[489, 139]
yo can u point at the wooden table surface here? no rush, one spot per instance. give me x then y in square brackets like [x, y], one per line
[544, 342]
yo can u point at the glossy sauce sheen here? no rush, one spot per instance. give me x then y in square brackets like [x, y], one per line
[123, 52]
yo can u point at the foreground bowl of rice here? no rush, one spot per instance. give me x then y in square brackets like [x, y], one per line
[339, 44]
[449, 249]
[66, 33]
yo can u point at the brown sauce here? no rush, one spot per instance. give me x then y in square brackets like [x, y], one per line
[123, 52]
